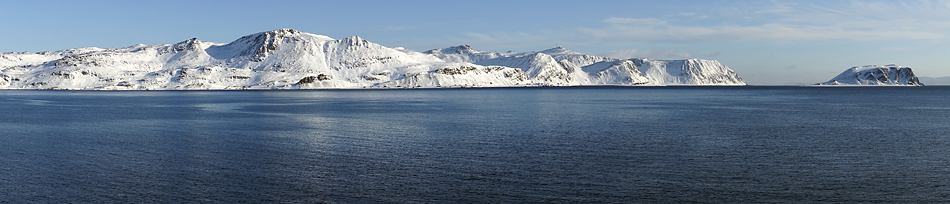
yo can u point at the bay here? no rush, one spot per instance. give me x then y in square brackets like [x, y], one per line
[493, 145]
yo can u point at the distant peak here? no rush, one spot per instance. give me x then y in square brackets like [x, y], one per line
[354, 38]
[461, 49]
[270, 35]
[870, 67]
[259, 45]
[284, 31]
[274, 34]
[190, 44]
[559, 50]
[188, 41]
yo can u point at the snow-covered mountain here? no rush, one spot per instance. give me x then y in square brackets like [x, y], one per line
[876, 75]
[561, 65]
[288, 58]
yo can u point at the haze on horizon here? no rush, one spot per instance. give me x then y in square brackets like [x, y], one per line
[766, 42]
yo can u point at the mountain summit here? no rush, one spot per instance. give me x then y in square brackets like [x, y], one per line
[876, 75]
[291, 59]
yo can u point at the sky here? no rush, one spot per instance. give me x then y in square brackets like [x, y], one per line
[765, 42]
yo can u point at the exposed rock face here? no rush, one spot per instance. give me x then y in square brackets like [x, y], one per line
[307, 80]
[287, 58]
[259, 46]
[876, 75]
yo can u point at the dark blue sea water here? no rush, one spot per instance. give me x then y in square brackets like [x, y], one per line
[507, 145]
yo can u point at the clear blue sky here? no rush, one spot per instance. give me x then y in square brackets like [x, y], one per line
[766, 42]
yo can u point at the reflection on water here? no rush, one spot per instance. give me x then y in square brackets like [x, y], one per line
[37, 102]
[577, 145]
[226, 107]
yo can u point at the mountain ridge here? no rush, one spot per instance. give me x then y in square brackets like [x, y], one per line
[291, 59]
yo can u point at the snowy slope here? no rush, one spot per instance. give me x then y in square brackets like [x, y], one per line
[537, 66]
[616, 72]
[287, 58]
[876, 75]
[597, 70]
[688, 72]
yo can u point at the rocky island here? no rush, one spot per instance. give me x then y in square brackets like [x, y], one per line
[876, 75]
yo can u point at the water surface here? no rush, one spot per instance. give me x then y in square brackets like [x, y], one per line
[573, 145]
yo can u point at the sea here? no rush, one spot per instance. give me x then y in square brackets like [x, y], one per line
[673, 144]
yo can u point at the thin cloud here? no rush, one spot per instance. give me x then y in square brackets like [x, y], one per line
[651, 30]
[693, 15]
[635, 21]
[776, 7]
[775, 22]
